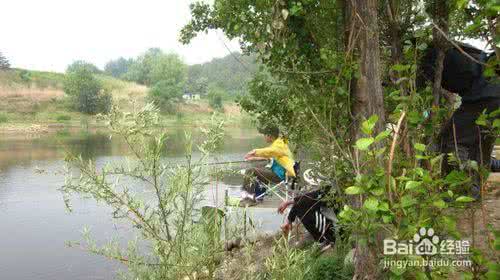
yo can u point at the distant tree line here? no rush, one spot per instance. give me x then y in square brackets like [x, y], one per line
[230, 73]
[81, 64]
[4, 62]
[169, 77]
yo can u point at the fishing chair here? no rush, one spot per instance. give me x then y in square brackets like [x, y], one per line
[283, 189]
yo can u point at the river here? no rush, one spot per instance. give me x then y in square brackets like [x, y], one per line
[35, 225]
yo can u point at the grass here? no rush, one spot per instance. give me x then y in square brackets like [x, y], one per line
[63, 118]
[38, 79]
[3, 118]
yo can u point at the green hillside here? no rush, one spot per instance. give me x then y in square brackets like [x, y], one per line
[31, 99]
[231, 73]
[36, 97]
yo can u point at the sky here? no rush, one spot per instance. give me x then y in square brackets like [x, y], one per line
[48, 35]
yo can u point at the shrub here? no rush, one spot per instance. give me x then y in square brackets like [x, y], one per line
[179, 115]
[4, 62]
[25, 76]
[215, 95]
[165, 94]
[3, 118]
[105, 102]
[86, 92]
[179, 248]
[80, 64]
[63, 118]
[331, 267]
[287, 262]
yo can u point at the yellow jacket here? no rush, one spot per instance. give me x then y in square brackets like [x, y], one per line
[280, 151]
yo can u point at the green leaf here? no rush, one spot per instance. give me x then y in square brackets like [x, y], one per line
[377, 191]
[461, 4]
[380, 151]
[353, 190]
[400, 67]
[384, 206]
[371, 204]
[493, 271]
[422, 157]
[496, 244]
[382, 135]
[464, 199]
[364, 143]
[489, 72]
[456, 178]
[466, 275]
[398, 270]
[419, 147]
[439, 204]
[481, 120]
[368, 125]
[407, 201]
[386, 218]
[436, 161]
[410, 185]
[496, 123]
[495, 113]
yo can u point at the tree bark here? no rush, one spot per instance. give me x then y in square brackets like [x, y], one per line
[395, 38]
[440, 18]
[440, 15]
[368, 100]
[368, 96]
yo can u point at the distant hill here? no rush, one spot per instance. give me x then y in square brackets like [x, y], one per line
[30, 97]
[38, 96]
[231, 73]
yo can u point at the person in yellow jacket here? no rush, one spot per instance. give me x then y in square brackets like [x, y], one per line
[282, 164]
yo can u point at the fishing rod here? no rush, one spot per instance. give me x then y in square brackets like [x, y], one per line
[220, 163]
[233, 162]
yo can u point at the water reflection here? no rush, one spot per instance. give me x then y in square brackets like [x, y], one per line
[35, 224]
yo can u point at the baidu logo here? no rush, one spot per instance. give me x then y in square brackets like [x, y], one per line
[426, 243]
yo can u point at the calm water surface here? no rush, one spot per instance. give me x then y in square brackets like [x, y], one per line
[34, 222]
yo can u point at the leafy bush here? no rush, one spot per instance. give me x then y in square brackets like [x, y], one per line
[165, 94]
[179, 248]
[4, 62]
[63, 118]
[331, 267]
[287, 262]
[3, 118]
[25, 76]
[154, 66]
[117, 68]
[80, 64]
[215, 95]
[86, 92]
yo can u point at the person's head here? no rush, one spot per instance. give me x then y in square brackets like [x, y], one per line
[270, 133]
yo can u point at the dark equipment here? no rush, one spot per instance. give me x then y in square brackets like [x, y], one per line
[464, 76]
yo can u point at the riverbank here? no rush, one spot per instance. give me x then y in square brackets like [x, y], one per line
[185, 117]
[254, 258]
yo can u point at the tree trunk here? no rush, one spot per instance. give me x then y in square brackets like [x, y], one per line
[368, 97]
[395, 31]
[440, 15]
[440, 18]
[367, 100]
